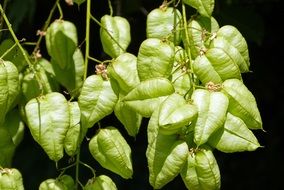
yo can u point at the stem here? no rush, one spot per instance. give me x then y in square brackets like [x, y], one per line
[89, 167]
[187, 42]
[46, 24]
[110, 8]
[60, 10]
[41, 85]
[77, 168]
[95, 60]
[1, 18]
[87, 38]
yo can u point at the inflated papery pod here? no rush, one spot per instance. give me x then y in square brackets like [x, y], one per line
[235, 38]
[166, 154]
[97, 100]
[61, 42]
[7, 148]
[9, 87]
[111, 150]
[30, 85]
[48, 120]
[175, 113]
[204, 7]
[68, 181]
[199, 29]
[212, 109]
[11, 178]
[216, 66]
[52, 184]
[124, 70]
[101, 182]
[72, 77]
[201, 171]
[130, 119]
[164, 23]
[115, 35]
[71, 141]
[234, 136]
[148, 95]
[155, 59]
[242, 103]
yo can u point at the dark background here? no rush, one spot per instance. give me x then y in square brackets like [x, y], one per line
[260, 21]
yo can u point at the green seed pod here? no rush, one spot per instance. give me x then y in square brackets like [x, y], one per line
[204, 7]
[201, 171]
[215, 66]
[111, 150]
[199, 29]
[61, 42]
[165, 154]
[155, 59]
[222, 43]
[212, 109]
[71, 141]
[164, 22]
[72, 77]
[235, 38]
[148, 95]
[101, 182]
[234, 137]
[242, 103]
[124, 70]
[68, 181]
[129, 118]
[9, 87]
[30, 85]
[48, 120]
[175, 113]
[11, 178]
[52, 184]
[97, 100]
[115, 35]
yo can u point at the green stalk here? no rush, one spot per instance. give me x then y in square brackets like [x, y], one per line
[187, 41]
[87, 38]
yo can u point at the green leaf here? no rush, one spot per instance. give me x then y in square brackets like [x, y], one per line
[147, 96]
[198, 29]
[11, 178]
[124, 70]
[15, 55]
[9, 87]
[71, 140]
[115, 35]
[7, 148]
[111, 150]
[222, 43]
[72, 77]
[204, 7]
[165, 154]
[155, 59]
[48, 120]
[242, 103]
[97, 100]
[164, 23]
[129, 118]
[14, 125]
[201, 171]
[235, 38]
[101, 182]
[234, 137]
[212, 109]
[175, 113]
[61, 42]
